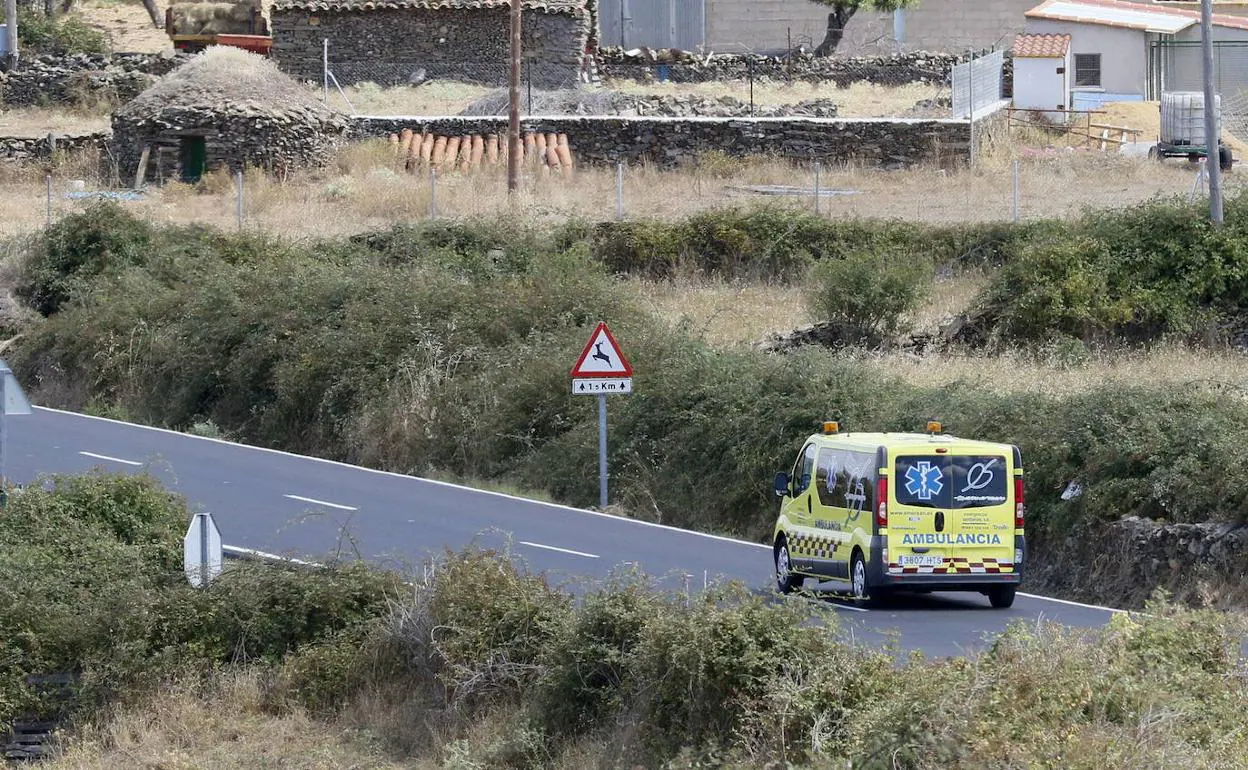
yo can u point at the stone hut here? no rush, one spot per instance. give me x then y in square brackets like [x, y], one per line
[393, 42]
[224, 108]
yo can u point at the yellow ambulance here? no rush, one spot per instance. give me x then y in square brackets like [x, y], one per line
[876, 513]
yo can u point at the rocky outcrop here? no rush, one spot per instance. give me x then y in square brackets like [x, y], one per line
[84, 78]
[668, 142]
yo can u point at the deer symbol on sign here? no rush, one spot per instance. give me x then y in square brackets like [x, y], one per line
[598, 354]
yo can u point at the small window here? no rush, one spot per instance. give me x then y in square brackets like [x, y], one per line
[1088, 70]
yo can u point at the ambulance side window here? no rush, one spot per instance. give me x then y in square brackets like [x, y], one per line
[804, 470]
[826, 477]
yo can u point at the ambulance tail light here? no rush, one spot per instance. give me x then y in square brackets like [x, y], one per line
[881, 502]
[1019, 507]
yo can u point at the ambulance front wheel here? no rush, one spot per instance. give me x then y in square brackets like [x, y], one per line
[1002, 597]
[786, 581]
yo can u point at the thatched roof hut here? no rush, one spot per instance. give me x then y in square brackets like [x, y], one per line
[226, 107]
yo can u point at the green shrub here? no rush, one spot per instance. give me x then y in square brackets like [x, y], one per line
[1149, 272]
[77, 248]
[39, 33]
[866, 296]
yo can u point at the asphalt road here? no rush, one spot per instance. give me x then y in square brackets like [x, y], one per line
[304, 507]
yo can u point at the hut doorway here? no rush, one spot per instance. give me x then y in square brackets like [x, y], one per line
[192, 157]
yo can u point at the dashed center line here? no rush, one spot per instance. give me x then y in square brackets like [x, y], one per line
[560, 550]
[314, 501]
[110, 459]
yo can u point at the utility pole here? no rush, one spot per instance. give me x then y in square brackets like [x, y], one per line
[10, 34]
[513, 122]
[1212, 129]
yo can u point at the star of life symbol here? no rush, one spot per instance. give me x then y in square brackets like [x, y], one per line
[923, 480]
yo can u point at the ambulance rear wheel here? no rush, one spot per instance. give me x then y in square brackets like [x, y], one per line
[1002, 597]
[858, 577]
[786, 581]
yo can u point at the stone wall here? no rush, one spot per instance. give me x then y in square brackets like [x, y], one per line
[389, 46]
[26, 149]
[681, 67]
[669, 142]
[1120, 564]
[65, 80]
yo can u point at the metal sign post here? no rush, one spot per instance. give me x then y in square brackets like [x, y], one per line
[12, 401]
[602, 370]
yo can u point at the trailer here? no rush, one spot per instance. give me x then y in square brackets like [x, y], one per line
[193, 26]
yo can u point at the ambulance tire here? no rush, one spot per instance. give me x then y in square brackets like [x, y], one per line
[858, 577]
[786, 582]
[1002, 597]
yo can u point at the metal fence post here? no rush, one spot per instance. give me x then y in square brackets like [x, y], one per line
[325, 70]
[239, 177]
[47, 180]
[1016, 212]
[528, 76]
[433, 192]
[749, 69]
[818, 172]
[619, 191]
[970, 98]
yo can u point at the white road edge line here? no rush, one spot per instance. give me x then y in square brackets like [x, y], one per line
[560, 550]
[109, 459]
[314, 501]
[478, 491]
[240, 551]
[1074, 604]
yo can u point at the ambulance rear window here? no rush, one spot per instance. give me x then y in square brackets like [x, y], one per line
[959, 481]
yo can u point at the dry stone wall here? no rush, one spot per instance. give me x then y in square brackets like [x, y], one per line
[30, 149]
[390, 46]
[669, 142]
[682, 67]
[64, 80]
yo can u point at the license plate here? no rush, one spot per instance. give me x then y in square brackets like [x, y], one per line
[911, 560]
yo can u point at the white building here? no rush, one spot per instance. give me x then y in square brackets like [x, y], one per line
[1042, 75]
[1123, 51]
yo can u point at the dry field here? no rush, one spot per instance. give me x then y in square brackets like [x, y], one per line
[38, 121]
[366, 188]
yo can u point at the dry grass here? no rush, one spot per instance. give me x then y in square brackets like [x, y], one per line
[227, 728]
[438, 97]
[1016, 373]
[39, 121]
[725, 314]
[366, 189]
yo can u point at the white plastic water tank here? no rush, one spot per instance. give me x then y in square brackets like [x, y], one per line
[1183, 117]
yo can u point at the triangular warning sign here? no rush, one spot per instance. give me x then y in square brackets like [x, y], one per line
[602, 357]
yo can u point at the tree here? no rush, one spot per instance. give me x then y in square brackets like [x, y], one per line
[844, 10]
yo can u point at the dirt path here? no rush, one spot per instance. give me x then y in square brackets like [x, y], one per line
[127, 25]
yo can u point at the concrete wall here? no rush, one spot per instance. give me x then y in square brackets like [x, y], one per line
[1124, 53]
[934, 25]
[669, 142]
[386, 45]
